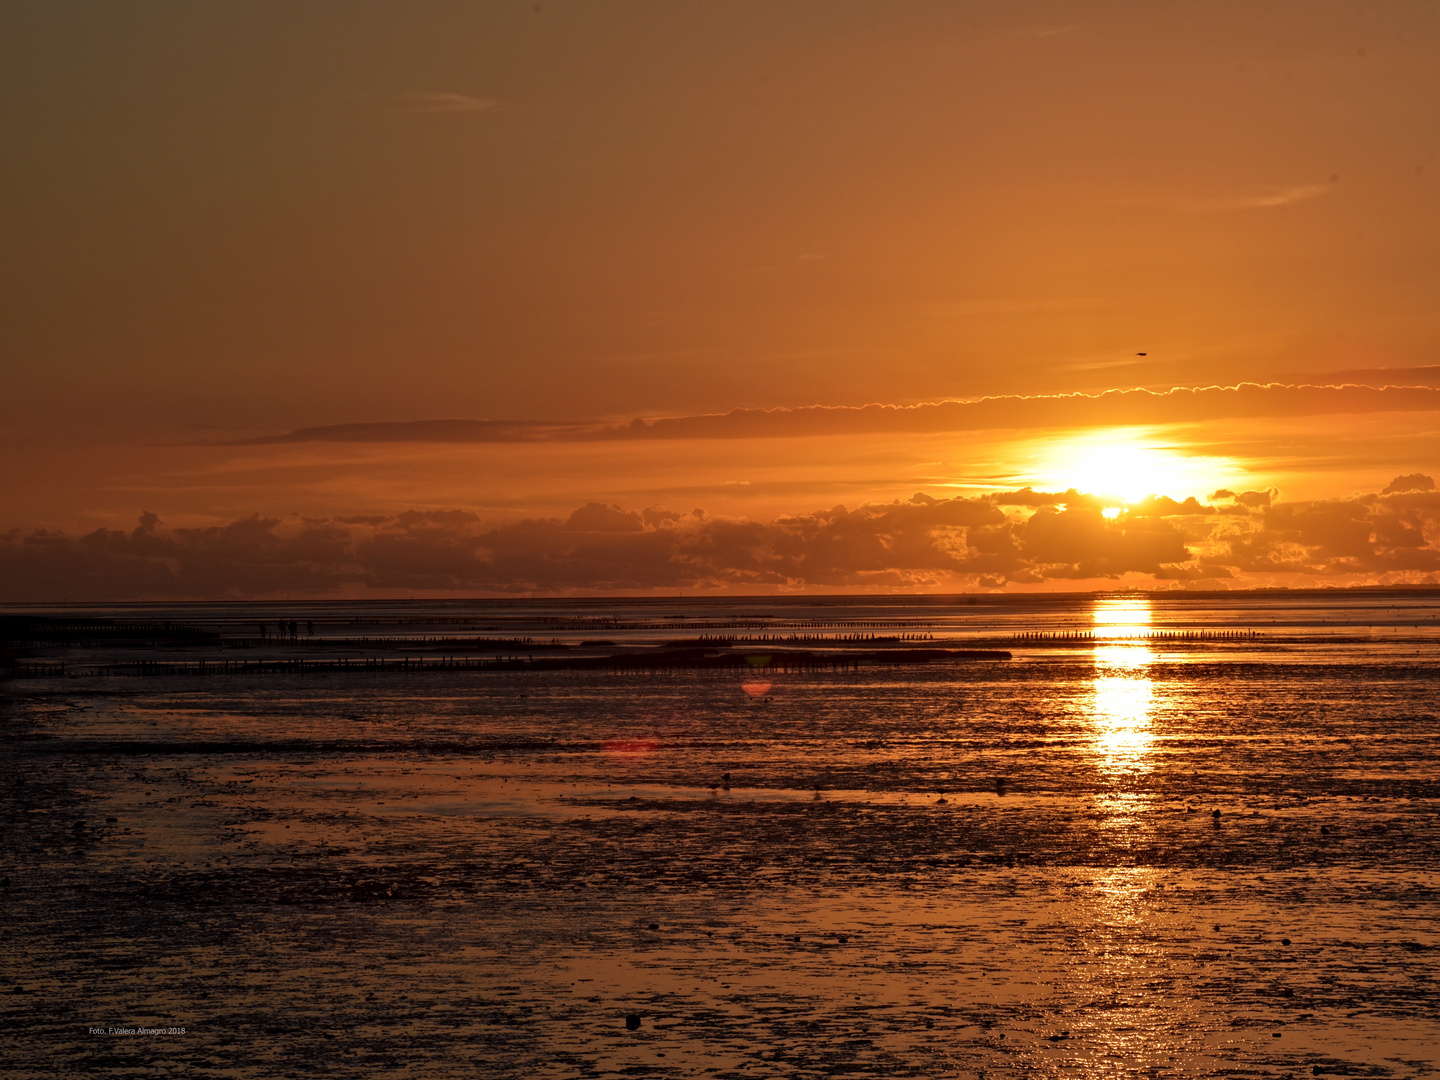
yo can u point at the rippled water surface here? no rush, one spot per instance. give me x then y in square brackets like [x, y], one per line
[1166, 837]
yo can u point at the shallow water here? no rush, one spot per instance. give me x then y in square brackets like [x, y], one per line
[943, 870]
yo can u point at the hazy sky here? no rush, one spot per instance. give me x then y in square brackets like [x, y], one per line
[226, 222]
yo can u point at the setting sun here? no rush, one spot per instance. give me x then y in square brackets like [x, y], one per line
[1127, 466]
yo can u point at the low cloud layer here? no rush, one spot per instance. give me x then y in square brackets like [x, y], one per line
[1112, 408]
[1017, 539]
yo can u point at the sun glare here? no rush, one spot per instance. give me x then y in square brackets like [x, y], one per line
[1126, 466]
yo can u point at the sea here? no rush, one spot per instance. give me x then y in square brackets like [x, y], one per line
[1128, 834]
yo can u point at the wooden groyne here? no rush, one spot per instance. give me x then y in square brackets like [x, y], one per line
[650, 662]
[31, 630]
[721, 640]
[1091, 637]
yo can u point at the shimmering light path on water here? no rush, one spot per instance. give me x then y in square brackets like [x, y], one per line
[960, 869]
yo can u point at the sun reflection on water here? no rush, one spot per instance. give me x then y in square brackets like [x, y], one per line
[1123, 694]
[1121, 618]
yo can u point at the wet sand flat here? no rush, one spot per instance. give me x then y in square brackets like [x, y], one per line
[964, 870]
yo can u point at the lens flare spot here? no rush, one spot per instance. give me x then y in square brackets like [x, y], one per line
[629, 748]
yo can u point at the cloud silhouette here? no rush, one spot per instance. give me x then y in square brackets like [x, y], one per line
[1413, 482]
[1021, 538]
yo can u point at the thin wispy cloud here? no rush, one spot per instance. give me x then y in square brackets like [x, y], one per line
[1049, 31]
[421, 101]
[1284, 197]
[1260, 200]
[1111, 408]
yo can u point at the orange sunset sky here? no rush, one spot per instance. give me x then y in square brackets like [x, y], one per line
[459, 299]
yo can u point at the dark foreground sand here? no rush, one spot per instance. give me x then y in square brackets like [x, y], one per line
[483, 875]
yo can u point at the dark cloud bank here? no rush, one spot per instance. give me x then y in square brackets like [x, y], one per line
[1114, 407]
[1025, 538]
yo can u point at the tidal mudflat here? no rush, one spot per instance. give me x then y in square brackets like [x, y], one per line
[1123, 856]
